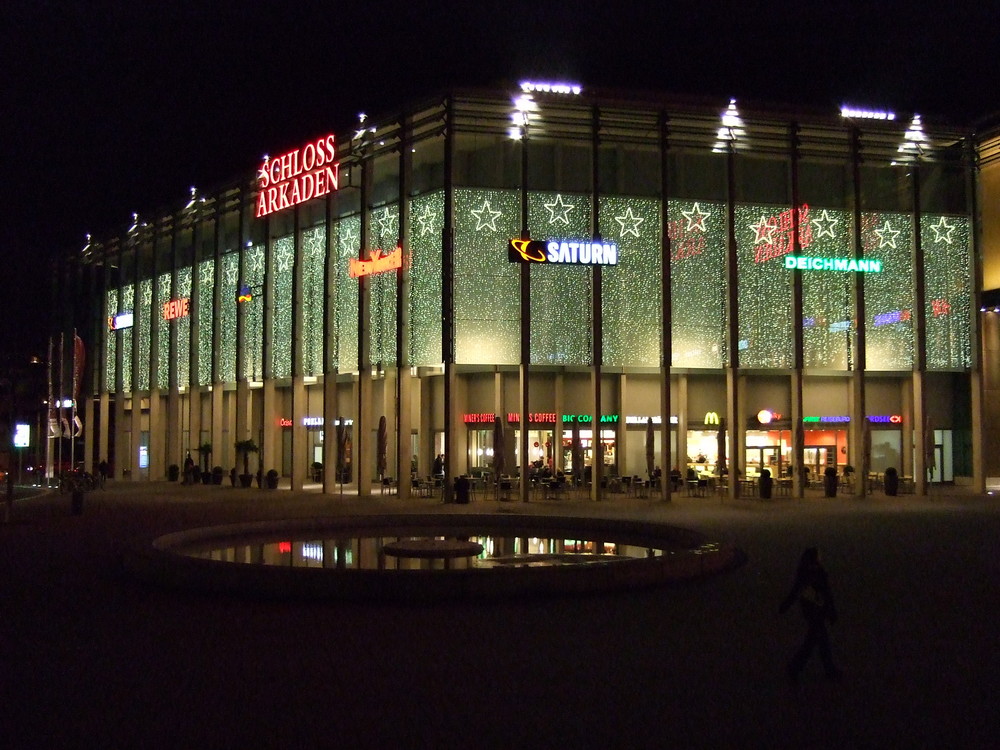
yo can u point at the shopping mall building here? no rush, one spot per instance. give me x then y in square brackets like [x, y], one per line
[623, 280]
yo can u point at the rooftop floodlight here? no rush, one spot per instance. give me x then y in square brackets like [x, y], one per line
[732, 128]
[194, 196]
[914, 139]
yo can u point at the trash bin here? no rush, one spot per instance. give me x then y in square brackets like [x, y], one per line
[462, 490]
[77, 502]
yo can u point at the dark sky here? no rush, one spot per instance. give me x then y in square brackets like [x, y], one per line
[110, 108]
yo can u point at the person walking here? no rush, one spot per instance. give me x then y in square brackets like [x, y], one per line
[811, 590]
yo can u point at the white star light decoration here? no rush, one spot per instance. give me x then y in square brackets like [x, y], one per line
[427, 220]
[387, 223]
[629, 222]
[825, 224]
[763, 230]
[559, 210]
[349, 237]
[207, 274]
[942, 231]
[887, 236]
[486, 217]
[231, 274]
[257, 265]
[284, 259]
[696, 218]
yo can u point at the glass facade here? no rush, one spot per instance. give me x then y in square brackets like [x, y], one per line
[737, 239]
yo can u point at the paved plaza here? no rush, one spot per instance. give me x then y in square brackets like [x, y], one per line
[90, 658]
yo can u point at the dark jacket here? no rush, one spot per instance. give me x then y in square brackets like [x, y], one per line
[812, 590]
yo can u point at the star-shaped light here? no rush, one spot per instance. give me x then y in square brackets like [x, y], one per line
[256, 265]
[942, 231]
[559, 210]
[763, 230]
[825, 224]
[232, 272]
[696, 218]
[486, 217]
[629, 222]
[887, 235]
[387, 224]
[427, 220]
[147, 295]
[349, 238]
[207, 275]
[283, 259]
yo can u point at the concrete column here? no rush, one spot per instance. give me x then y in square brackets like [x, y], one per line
[104, 434]
[157, 430]
[300, 435]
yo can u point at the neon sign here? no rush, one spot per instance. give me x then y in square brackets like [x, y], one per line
[177, 308]
[311, 422]
[378, 263]
[298, 176]
[896, 316]
[245, 294]
[877, 418]
[572, 252]
[120, 321]
[773, 235]
[802, 263]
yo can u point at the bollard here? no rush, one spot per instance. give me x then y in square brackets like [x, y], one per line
[77, 502]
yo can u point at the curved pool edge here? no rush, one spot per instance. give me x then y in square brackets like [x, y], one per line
[156, 563]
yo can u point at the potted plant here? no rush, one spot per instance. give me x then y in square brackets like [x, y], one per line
[765, 484]
[173, 472]
[245, 448]
[272, 479]
[217, 474]
[891, 481]
[830, 481]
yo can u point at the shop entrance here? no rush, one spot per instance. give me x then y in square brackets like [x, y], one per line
[764, 457]
[818, 457]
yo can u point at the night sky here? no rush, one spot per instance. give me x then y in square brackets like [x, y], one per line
[110, 108]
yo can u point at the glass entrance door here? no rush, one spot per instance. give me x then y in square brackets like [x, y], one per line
[818, 457]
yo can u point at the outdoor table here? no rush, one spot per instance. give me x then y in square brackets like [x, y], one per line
[783, 487]
[748, 488]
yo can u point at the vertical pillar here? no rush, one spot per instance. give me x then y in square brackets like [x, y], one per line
[524, 369]
[737, 424]
[300, 434]
[666, 313]
[447, 303]
[796, 381]
[403, 381]
[976, 383]
[331, 359]
[557, 427]
[103, 437]
[364, 453]
[923, 442]
[597, 312]
[683, 417]
[860, 448]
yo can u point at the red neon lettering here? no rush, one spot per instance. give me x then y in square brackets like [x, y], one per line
[298, 176]
[378, 263]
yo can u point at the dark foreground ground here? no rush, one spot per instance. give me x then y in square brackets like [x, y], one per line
[89, 658]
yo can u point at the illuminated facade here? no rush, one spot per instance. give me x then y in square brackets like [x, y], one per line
[791, 289]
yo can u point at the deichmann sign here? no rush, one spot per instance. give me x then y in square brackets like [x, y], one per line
[802, 263]
[568, 252]
[298, 176]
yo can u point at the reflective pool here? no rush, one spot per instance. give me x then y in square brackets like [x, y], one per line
[368, 553]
